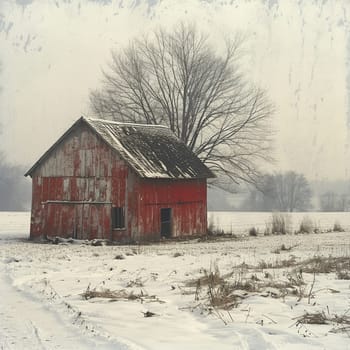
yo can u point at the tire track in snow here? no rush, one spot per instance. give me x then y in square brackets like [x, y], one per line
[251, 339]
[28, 324]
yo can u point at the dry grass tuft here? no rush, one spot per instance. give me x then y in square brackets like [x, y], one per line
[212, 277]
[177, 254]
[116, 295]
[290, 262]
[218, 291]
[106, 293]
[340, 323]
[223, 297]
[313, 318]
[135, 283]
[283, 248]
[320, 264]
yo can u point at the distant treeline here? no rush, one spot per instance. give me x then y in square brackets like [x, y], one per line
[283, 192]
[287, 191]
[15, 189]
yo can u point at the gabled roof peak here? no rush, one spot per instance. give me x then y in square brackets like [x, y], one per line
[152, 151]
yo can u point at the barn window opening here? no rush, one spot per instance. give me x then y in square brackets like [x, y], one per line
[165, 222]
[118, 217]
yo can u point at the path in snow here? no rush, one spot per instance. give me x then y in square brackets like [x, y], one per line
[27, 324]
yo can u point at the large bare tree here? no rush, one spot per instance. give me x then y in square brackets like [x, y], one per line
[179, 79]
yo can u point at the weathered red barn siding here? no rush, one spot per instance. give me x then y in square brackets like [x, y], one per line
[186, 198]
[75, 188]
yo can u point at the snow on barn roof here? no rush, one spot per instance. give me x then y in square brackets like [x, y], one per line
[153, 151]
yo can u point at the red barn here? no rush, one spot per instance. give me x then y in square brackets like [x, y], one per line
[118, 181]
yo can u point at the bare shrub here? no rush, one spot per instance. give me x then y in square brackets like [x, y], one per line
[306, 225]
[343, 274]
[253, 232]
[283, 248]
[119, 257]
[337, 227]
[177, 254]
[280, 223]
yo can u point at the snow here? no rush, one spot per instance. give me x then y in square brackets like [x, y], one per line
[42, 287]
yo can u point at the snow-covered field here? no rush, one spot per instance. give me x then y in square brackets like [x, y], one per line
[241, 222]
[250, 293]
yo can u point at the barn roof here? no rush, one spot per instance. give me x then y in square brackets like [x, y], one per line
[153, 151]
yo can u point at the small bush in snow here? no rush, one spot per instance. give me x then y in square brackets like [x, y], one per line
[343, 275]
[177, 254]
[279, 224]
[253, 232]
[119, 257]
[337, 227]
[306, 225]
[283, 248]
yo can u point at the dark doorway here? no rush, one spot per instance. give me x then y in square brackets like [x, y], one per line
[165, 222]
[118, 218]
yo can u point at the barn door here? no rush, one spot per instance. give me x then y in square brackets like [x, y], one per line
[59, 220]
[93, 220]
[77, 220]
[165, 222]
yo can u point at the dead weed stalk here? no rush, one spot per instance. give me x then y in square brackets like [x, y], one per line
[117, 295]
[340, 323]
[321, 264]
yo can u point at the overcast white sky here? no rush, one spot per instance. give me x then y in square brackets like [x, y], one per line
[52, 53]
